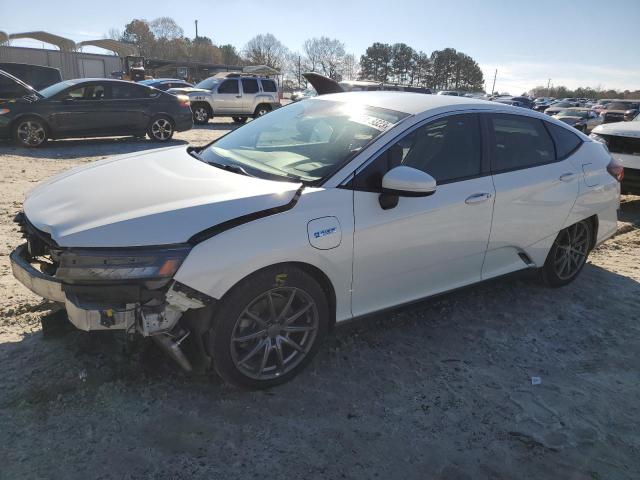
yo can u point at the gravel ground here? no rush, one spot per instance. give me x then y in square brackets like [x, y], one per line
[439, 390]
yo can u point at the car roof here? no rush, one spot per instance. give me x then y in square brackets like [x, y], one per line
[407, 102]
[76, 81]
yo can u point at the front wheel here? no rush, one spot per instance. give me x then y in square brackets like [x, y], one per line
[201, 114]
[269, 327]
[30, 132]
[239, 120]
[160, 129]
[568, 255]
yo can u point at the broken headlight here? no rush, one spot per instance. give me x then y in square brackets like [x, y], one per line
[78, 265]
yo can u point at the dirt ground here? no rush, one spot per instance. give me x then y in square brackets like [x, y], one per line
[440, 390]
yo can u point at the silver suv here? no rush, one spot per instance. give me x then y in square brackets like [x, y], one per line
[235, 95]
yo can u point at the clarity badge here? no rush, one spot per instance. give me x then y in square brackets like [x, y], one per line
[325, 232]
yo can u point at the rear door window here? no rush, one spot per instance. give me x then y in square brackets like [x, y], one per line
[123, 91]
[519, 142]
[250, 85]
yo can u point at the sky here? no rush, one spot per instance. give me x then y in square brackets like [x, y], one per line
[572, 43]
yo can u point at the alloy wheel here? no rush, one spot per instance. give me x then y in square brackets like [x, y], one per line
[201, 114]
[572, 248]
[274, 333]
[262, 111]
[31, 133]
[162, 129]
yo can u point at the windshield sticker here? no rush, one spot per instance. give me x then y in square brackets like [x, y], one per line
[373, 122]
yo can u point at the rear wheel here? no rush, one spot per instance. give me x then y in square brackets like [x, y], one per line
[269, 327]
[30, 132]
[160, 129]
[567, 255]
[261, 110]
[239, 120]
[201, 113]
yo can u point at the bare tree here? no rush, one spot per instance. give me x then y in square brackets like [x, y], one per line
[114, 34]
[265, 49]
[325, 55]
[350, 67]
[166, 27]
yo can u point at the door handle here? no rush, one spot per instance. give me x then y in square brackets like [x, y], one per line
[567, 177]
[238, 96]
[477, 198]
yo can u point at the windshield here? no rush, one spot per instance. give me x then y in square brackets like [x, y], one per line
[573, 113]
[562, 104]
[208, 83]
[303, 141]
[56, 88]
[147, 82]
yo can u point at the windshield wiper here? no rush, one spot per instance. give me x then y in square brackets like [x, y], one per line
[231, 168]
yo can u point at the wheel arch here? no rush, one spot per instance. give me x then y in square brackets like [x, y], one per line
[205, 104]
[260, 104]
[155, 115]
[14, 122]
[311, 270]
[595, 223]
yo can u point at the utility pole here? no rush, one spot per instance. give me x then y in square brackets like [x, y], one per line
[549, 88]
[493, 89]
[196, 29]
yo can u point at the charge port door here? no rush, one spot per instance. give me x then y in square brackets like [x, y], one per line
[324, 233]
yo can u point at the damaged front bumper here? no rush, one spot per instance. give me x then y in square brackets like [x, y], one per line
[92, 308]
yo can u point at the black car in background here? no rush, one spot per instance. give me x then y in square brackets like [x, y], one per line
[91, 108]
[165, 84]
[37, 76]
[524, 102]
[620, 111]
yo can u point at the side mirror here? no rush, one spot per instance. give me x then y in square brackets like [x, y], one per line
[405, 181]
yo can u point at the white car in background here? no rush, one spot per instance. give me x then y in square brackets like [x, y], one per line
[623, 141]
[251, 248]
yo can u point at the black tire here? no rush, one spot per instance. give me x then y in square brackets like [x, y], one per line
[239, 120]
[231, 354]
[568, 255]
[201, 113]
[161, 128]
[30, 132]
[261, 110]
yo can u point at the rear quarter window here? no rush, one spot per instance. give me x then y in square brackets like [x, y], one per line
[566, 141]
[269, 86]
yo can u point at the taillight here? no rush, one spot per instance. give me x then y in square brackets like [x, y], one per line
[184, 101]
[615, 169]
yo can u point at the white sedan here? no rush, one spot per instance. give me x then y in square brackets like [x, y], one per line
[251, 248]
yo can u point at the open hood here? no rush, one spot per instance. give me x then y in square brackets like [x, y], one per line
[158, 197]
[19, 86]
[323, 85]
